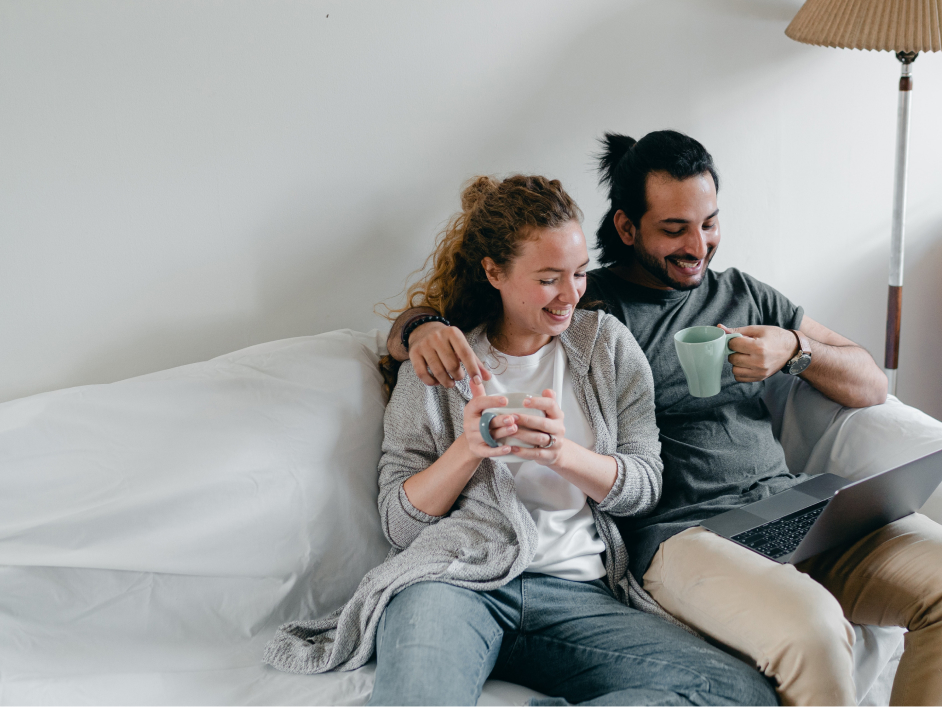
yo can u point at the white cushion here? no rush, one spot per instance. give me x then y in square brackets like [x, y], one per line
[171, 522]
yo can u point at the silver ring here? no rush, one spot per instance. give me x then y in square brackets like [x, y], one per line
[552, 441]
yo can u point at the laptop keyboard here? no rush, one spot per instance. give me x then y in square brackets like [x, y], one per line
[782, 536]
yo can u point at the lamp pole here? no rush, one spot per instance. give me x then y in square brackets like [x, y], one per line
[894, 306]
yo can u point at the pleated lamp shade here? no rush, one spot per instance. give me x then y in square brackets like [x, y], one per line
[884, 25]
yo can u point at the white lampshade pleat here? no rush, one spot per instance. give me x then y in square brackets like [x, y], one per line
[883, 25]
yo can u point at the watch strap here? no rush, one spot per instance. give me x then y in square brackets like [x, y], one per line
[804, 346]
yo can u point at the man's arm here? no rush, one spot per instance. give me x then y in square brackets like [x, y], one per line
[436, 351]
[842, 370]
[394, 340]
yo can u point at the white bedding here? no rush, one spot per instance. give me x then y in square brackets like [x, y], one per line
[155, 532]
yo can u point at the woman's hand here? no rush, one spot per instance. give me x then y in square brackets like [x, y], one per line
[542, 431]
[593, 474]
[434, 490]
[501, 427]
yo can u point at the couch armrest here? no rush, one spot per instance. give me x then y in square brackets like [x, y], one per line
[820, 435]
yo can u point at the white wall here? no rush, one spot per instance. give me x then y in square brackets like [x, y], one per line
[182, 179]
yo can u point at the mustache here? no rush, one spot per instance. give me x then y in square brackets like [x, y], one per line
[690, 258]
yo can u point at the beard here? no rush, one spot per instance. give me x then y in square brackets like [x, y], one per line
[658, 267]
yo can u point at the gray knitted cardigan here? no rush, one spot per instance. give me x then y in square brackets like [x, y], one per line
[489, 537]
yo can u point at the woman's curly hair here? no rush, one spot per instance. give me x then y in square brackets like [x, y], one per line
[496, 217]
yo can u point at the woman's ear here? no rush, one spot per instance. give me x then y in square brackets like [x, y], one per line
[493, 272]
[624, 226]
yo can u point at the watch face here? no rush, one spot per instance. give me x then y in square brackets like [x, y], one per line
[796, 366]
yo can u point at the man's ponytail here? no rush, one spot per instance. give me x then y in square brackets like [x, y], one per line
[615, 147]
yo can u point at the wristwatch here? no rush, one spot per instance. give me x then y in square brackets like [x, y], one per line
[801, 360]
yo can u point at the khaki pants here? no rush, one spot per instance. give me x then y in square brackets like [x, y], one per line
[792, 622]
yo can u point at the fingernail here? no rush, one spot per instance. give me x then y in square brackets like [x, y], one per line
[477, 379]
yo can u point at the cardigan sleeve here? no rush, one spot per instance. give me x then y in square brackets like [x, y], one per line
[638, 484]
[412, 424]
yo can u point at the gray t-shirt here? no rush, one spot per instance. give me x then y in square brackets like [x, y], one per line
[719, 453]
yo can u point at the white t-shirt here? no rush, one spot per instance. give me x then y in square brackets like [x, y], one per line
[568, 545]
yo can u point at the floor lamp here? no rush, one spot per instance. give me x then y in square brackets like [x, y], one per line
[906, 27]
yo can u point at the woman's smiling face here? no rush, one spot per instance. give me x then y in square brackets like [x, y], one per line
[541, 288]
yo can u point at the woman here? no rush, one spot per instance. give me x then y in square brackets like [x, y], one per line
[514, 569]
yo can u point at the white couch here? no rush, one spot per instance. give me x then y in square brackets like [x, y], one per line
[155, 532]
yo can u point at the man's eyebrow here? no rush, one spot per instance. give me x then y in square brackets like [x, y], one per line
[560, 269]
[683, 220]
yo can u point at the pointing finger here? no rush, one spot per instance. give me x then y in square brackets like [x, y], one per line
[467, 356]
[477, 386]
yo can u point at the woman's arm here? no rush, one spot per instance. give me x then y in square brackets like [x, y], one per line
[638, 450]
[592, 473]
[434, 490]
[417, 486]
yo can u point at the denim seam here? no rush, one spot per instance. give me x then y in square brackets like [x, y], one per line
[706, 681]
[523, 604]
[481, 678]
[523, 618]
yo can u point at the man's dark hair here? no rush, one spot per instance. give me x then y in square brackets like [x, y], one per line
[624, 165]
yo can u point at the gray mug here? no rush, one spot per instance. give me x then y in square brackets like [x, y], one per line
[514, 407]
[702, 351]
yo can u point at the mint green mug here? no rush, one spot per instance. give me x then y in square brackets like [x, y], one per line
[702, 351]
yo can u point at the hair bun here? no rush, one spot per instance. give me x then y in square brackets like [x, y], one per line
[615, 147]
[476, 190]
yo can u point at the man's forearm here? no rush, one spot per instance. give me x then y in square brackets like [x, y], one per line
[846, 374]
[394, 340]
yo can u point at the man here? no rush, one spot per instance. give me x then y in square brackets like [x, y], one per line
[719, 453]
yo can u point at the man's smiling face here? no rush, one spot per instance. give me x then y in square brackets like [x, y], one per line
[678, 235]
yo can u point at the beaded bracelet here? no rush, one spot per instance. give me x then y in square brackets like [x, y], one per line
[416, 323]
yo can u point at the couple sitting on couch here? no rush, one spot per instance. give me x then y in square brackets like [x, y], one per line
[516, 568]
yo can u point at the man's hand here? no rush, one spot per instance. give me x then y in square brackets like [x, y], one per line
[760, 352]
[839, 368]
[437, 352]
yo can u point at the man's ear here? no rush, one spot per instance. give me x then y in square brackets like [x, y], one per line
[493, 272]
[626, 229]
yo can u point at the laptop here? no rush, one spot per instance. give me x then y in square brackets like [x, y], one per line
[828, 510]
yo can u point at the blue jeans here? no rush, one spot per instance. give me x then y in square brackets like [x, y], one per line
[436, 645]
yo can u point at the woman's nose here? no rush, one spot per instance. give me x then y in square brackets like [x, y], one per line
[570, 294]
